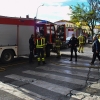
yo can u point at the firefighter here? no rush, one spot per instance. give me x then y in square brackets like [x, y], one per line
[44, 45]
[58, 44]
[31, 47]
[81, 43]
[40, 49]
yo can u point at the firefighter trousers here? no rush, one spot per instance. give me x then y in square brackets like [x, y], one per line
[80, 47]
[40, 52]
[58, 51]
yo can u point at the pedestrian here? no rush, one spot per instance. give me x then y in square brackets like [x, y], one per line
[81, 40]
[73, 45]
[40, 49]
[31, 48]
[95, 49]
[58, 44]
[98, 36]
[44, 40]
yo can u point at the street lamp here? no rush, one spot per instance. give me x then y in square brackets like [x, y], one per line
[37, 10]
[35, 18]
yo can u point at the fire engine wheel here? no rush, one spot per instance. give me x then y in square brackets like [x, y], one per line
[7, 56]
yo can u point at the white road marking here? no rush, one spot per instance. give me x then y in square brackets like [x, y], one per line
[63, 71]
[16, 92]
[56, 77]
[46, 85]
[95, 69]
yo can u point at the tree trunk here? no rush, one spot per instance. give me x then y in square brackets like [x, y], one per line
[92, 32]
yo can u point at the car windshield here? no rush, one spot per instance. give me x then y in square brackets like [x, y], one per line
[68, 38]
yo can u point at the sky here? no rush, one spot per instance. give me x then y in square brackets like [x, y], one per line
[52, 10]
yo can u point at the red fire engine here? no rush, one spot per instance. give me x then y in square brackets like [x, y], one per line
[15, 34]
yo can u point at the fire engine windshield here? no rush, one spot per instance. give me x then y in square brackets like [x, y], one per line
[52, 30]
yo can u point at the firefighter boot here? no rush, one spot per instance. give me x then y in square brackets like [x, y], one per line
[38, 60]
[43, 60]
[58, 54]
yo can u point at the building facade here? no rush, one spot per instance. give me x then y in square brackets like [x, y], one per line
[67, 23]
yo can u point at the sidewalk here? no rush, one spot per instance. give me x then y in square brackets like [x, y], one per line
[87, 52]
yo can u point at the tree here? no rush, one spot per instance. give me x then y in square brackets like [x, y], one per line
[85, 15]
[95, 5]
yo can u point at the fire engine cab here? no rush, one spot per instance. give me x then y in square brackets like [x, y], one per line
[48, 31]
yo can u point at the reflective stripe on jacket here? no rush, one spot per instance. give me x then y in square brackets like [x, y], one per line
[39, 43]
[43, 40]
[58, 43]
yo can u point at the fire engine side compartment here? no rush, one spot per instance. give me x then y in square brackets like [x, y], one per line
[8, 37]
[24, 34]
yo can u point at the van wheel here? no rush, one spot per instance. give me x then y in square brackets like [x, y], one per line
[7, 56]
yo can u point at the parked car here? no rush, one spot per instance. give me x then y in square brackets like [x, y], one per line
[67, 41]
[90, 39]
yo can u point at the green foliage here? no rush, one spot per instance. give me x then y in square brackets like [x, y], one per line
[84, 15]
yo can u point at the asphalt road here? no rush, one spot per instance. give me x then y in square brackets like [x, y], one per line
[59, 79]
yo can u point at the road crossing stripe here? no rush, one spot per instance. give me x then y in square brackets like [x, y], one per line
[78, 64]
[78, 60]
[46, 85]
[16, 92]
[75, 67]
[40, 83]
[56, 77]
[34, 94]
[67, 71]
